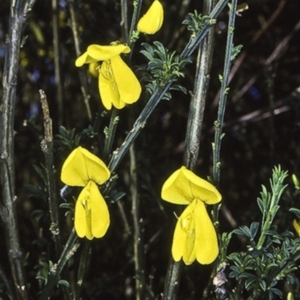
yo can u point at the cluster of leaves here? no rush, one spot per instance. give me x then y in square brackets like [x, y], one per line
[195, 22]
[271, 256]
[162, 68]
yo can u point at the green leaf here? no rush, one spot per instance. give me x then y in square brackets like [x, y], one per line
[243, 231]
[63, 282]
[261, 205]
[254, 229]
[263, 285]
[296, 211]
[235, 51]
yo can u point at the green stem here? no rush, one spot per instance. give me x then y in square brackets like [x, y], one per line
[161, 90]
[197, 105]
[223, 97]
[138, 126]
[193, 132]
[68, 251]
[138, 245]
[195, 40]
[56, 50]
[18, 16]
[47, 148]
[110, 134]
[172, 280]
[124, 20]
[81, 71]
[83, 266]
[137, 6]
[270, 206]
[6, 283]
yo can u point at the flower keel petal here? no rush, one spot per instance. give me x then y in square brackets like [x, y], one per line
[128, 85]
[206, 238]
[99, 212]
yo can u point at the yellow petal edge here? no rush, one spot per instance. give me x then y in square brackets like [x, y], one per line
[82, 166]
[183, 186]
[152, 21]
[91, 213]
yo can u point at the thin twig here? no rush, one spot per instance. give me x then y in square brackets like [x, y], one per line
[47, 148]
[240, 59]
[159, 92]
[81, 71]
[110, 134]
[69, 250]
[138, 245]
[5, 281]
[223, 96]
[137, 6]
[56, 50]
[124, 20]
[18, 16]
[193, 133]
[84, 264]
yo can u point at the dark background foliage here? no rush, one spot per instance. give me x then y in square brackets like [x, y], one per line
[262, 129]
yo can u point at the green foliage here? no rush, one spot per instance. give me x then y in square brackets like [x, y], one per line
[68, 140]
[235, 51]
[195, 22]
[258, 253]
[271, 256]
[162, 68]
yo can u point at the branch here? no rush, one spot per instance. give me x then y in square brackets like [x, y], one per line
[18, 15]
[193, 133]
[82, 75]
[56, 49]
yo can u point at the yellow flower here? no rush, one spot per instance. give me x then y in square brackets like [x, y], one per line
[93, 69]
[117, 84]
[296, 225]
[152, 21]
[82, 168]
[194, 235]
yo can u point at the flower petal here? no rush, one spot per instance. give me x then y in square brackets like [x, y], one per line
[128, 85]
[84, 59]
[176, 189]
[82, 166]
[179, 240]
[99, 53]
[80, 221]
[202, 189]
[296, 225]
[99, 212]
[108, 88]
[206, 242]
[183, 186]
[91, 213]
[94, 69]
[118, 85]
[152, 21]
[184, 236]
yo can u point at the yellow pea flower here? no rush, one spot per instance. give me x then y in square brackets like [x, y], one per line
[152, 21]
[296, 225]
[91, 213]
[194, 235]
[82, 168]
[117, 84]
[93, 69]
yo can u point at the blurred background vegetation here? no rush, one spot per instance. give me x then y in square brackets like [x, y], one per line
[262, 129]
